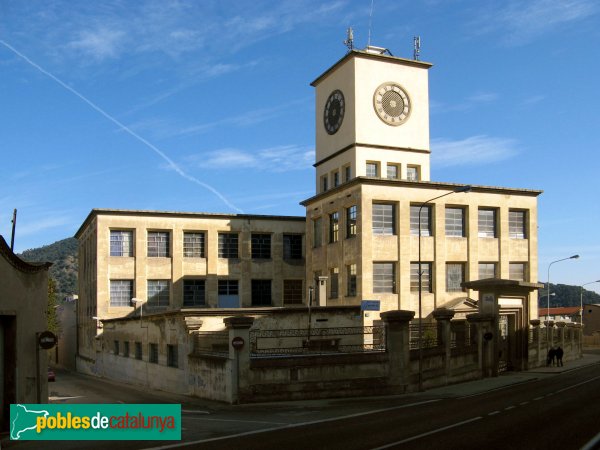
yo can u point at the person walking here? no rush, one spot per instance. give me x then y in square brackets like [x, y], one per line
[559, 356]
[551, 357]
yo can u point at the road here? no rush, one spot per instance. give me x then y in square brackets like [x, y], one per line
[543, 411]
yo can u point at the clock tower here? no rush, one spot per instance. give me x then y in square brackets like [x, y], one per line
[372, 119]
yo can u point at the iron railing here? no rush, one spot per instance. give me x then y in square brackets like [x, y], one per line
[429, 335]
[211, 343]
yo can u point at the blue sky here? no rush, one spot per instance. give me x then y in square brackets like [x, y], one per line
[207, 106]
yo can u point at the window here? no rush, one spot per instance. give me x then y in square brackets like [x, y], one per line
[261, 292]
[153, 353]
[172, 357]
[384, 277]
[158, 292]
[455, 275]
[228, 287]
[324, 183]
[455, 222]
[121, 292]
[425, 220]
[347, 173]
[383, 218]
[317, 232]
[138, 350]
[194, 293]
[116, 347]
[292, 246]
[261, 246]
[412, 173]
[228, 245]
[487, 270]
[159, 244]
[516, 271]
[487, 223]
[351, 276]
[425, 277]
[516, 224]
[121, 243]
[393, 171]
[372, 169]
[351, 221]
[336, 178]
[193, 245]
[334, 227]
[126, 349]
[333, 282]
[292, 292]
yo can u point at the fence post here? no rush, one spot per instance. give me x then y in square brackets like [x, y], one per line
[397, 346]
[570, 342]
[443, 316]
[561, 334]
[487, 337]
[579, 338]
[539, 358]
[239, 328]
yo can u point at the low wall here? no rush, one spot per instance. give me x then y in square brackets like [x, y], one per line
[209, 377]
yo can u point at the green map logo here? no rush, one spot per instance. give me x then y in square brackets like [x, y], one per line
[95, 422]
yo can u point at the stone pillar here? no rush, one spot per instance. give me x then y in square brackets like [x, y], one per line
[570, 342]
[397, 345]
[487, 342]
[322, 288]
[549, 334]
[239, 328]
[561, 334]
[443, 316]
[540, 358]
[579, 338]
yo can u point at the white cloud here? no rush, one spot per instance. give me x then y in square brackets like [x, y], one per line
[472, 151]
[100, 44]
[35, 226]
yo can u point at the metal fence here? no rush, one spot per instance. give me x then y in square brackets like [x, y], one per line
[264, 343]
[211, 343]
[429, 335]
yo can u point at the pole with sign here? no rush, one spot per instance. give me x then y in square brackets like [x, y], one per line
[44, 340]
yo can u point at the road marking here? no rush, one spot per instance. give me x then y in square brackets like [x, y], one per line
[61, 399]
[194, 411]
[538, 398]
[294, 425]
[523, 403]
[576, 385]
[429, 433]
[493, 413]
[509, 407]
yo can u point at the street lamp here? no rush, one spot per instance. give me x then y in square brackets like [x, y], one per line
[548, 298]
[420, 341]
[141, 302]
[581, 300]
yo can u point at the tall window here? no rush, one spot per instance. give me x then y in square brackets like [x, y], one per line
[159, 243]
[351, 278]
[455, 222]
[455, 275]
[317, 232]
[425, 220]
[351, 221]
[261, 292]
[126, 349]
[334, 275]
[487, 270]
[172, 356]
[393, 171]
[292, 246]
[121, 292]
[292, 292]
[425, 278]
[194, 293]
[194, 245]
[336, 178]
[324, 183]
[153, 353]
[138, 350]
[228, 287]
[384, 218]
[334, 227]
[158, 292]
[516, 224]
[487, 223]
[121, 243]
[384, 277]
[412, 173]
[516, 271]
[116, 347]
[261, 246]
[347, 173]
[228, 245]
[372, 169]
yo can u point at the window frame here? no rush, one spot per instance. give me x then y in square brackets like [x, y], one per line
[260, 245]
[384, 280]
[157, 299]
[517, 226]
[396, 168]
[370, 165]
[197, 300]
[451, 228]
[380, 220]
[172, 356]
[493, 264]
[426, 278]
[483, 223]
[153, 353]
[158, 244]
[512, 265]
[292, 250]
[351, 280]
[317, 232]
[228, 245]
[426, 225]
[334, 283]
[119, 244]
[451, 285]
[334, 227]
[413, 172]
[293, 292]
[261, 289]
[129, 292]
[198, 248]
[227, 286]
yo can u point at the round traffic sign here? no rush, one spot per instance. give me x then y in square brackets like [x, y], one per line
[47, 340]
[237, 343]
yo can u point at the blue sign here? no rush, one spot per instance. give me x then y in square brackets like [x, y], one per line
[370, 305]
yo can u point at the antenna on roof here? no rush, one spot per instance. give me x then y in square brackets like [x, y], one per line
[349, 42]
[416, 47]
[370, 22]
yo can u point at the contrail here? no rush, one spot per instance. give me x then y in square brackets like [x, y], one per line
[172, 164]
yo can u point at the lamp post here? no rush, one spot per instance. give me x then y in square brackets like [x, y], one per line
[141, 302]
[420, 340]
[581, 300]
[548, 297]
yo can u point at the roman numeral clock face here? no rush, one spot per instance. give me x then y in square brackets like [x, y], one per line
[333, 115]
[391, 104]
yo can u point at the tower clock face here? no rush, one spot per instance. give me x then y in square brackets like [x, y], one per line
[333, 115]
[391, 103]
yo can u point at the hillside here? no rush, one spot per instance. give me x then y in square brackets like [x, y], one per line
[566, 295]
[63, 255]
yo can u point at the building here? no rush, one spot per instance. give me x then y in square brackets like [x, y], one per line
[23, 305]
[567, 314]
[591, 319]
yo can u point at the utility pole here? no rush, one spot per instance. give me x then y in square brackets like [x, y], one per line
[12, 236]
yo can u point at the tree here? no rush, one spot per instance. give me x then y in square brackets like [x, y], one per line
[52, 319]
